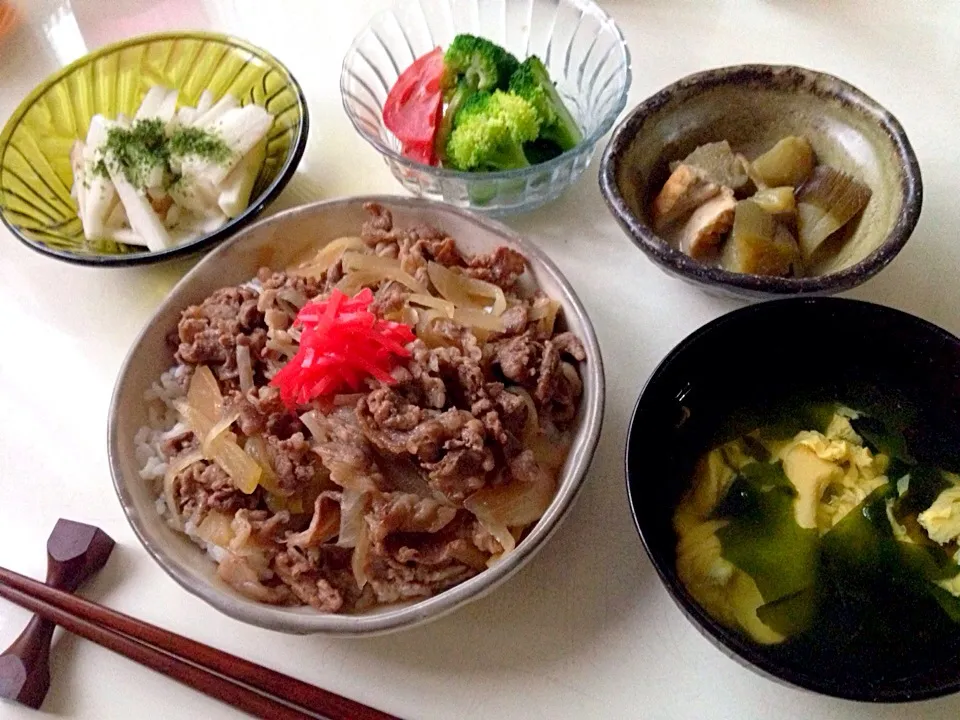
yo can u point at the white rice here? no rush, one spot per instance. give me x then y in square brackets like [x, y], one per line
[215, 552]
[163, 424]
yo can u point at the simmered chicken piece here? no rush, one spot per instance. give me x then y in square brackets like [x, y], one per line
[708, 225]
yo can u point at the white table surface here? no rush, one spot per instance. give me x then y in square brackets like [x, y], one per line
[586, 630]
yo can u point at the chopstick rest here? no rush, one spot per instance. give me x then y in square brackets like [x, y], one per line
[75, 553]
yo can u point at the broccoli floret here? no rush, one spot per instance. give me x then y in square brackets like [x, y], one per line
[471, 64]
[532, 82]
[476, 63]
[489, 132]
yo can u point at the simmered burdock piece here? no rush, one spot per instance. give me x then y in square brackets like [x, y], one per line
[705, 229]
[684, 191]
[759, 245]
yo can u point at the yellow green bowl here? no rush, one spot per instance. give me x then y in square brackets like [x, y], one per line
[35, 173]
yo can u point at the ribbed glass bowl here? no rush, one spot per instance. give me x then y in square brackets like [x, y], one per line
[579, 43]
[35, 174]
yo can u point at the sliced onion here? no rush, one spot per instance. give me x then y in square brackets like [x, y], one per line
[478, 319]
[539, 309]
[499, 300]
[430, 301]
[279, 499]
[516, 503]
[461, 290]
[242, 469]
[221, 446]
[546, 314]
[256, 447]
[387, 268]
[551, 453]
[292, 296]
[244, 368]
[355, 281]
[350, 478]
[500, 532]
[329, 255]
[216, 529]
[323, 525]
[284, 348]
[169, 491]
[424, 328]
[353, 505]
[358, 562]
[425, 320]
[450, 285]
[531, 428]
[369, 261]
[204, 393]
[216, 432]
[409, 316]
[312, 423]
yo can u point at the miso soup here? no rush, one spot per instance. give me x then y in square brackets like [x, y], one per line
[824, 539]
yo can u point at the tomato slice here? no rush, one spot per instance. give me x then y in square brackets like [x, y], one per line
[413, 107]
[424, 152]
[421, 153]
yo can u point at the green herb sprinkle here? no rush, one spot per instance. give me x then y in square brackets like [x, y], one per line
[137, 150]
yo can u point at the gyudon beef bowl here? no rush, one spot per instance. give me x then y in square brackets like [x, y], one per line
[356, 416]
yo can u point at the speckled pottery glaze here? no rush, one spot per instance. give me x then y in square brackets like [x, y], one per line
[729, 366]
[754, 106]
[279, 242]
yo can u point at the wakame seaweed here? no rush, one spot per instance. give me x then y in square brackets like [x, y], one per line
[883, 438]
[791, 614]
[762, 537]
[866, 594]
[862, 591]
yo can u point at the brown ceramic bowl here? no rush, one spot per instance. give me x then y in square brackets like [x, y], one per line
[754, 106]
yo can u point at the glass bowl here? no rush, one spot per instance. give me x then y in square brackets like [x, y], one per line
[579, 43]
[35, 174]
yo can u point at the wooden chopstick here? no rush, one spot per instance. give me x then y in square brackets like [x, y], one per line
[218, 674]
[206, 682]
